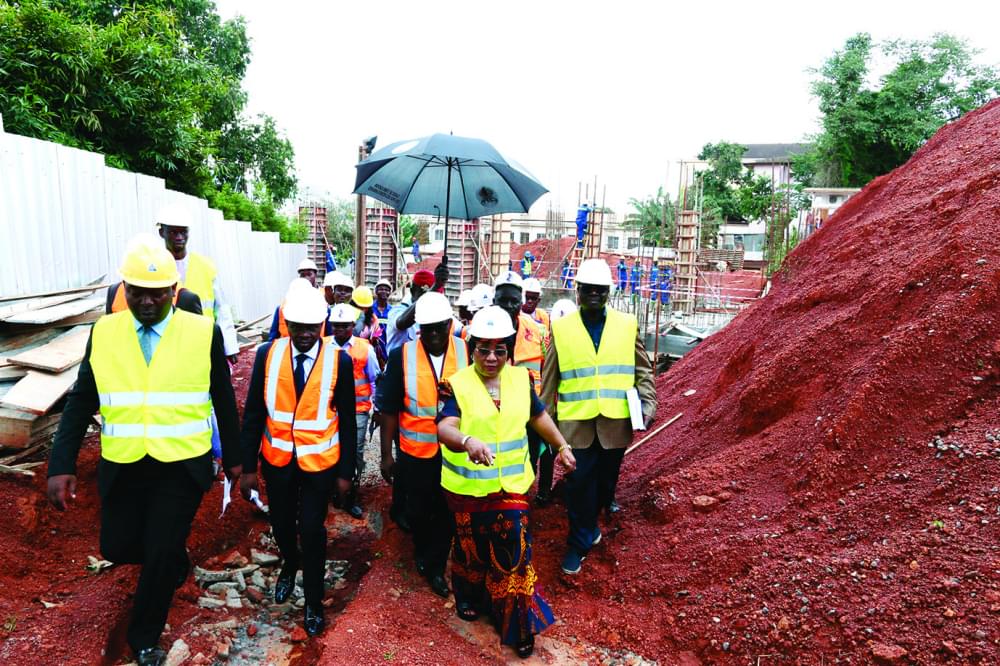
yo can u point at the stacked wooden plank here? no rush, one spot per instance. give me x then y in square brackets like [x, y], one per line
[42, 341]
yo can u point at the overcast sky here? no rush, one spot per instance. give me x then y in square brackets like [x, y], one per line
[619, 89]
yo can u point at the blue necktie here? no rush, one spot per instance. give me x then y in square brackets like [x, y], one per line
[146, 343]
[300, 374]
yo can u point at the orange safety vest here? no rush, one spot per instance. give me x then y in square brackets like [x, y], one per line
[282, 324]
[417, 421]
[362, 387]
[306, 428]
[540, 317]
[529, 349]
[120, 304]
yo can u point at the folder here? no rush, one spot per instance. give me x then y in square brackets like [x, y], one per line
[635, 408]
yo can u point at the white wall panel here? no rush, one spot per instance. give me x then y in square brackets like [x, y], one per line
[66, 218]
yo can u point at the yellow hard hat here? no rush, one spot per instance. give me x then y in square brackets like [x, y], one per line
[363, 297]
[148, 264]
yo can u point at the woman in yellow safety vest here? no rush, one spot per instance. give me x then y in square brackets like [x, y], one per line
[486, 475]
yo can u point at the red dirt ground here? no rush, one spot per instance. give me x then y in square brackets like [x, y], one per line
[844, 429]
[840, 531]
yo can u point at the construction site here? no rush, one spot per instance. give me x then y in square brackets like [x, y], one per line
[820, 485]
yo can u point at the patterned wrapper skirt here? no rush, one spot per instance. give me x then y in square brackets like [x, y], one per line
[491, 565]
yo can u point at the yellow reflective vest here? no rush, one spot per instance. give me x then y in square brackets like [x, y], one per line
[504, 431]
[162, 409]
[593, 383]
[200, 278]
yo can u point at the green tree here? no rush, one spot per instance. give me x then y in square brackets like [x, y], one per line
[250, 153]
[870, 128]
[654, 218]
[154, 85]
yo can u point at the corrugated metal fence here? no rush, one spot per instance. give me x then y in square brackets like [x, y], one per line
[65, 219]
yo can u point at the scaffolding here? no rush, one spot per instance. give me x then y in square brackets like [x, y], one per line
[381, 256]
[314, 217]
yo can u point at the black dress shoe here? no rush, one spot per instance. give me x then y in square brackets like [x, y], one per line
[399, 518]
[613, 507]
[314, 622]
[439, 585]
[421, 566]
[356, 511]
[284, 585]
[151, 656]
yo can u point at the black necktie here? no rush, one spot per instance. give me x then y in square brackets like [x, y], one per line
[300, 374]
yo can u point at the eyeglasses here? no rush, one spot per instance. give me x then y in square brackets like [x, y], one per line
[499, 352]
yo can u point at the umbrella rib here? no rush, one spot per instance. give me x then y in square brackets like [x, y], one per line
[465, 195]
[415, 179]
[507, 182]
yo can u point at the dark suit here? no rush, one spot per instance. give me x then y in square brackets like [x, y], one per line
[187, 300]
[147, 507]
[299, 500]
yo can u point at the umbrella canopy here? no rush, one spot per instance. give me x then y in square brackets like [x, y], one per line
[460, 177]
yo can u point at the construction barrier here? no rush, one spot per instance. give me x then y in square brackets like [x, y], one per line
[65, 219]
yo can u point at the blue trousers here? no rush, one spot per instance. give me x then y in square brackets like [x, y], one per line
[589, 488]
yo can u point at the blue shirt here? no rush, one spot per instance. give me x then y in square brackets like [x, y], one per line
[596, 328]
[157, 329]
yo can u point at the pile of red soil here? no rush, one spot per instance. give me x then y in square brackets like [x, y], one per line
[831, 492]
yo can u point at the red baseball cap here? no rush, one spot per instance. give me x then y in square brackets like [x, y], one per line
[423, 278]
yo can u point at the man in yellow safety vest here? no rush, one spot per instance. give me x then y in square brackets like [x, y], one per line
[197, 272]
[595, 357]
[155, 372]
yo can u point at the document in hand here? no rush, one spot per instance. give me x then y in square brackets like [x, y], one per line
[635, 408]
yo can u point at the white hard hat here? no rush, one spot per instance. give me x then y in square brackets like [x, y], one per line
[594, 271]
[383, 282]
[533, 285]
[305, 306]
[491, 323]
[481, 297]
[508, 277]
[342, 313]
[173, 215]
[307, 265]
[433, 308]
[337, 279]
[464, 298]
[298, 284]
[561, 308]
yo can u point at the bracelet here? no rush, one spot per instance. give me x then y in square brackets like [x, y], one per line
[464, 440]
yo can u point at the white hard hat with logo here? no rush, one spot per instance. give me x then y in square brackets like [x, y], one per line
[433, 308]
[533, 285]
[342, 313]
[307, 265]
[491, 323]
[173, 215]
[305, 306]
[509, 277]
[337, 279]
[594, 271]
[561, 308]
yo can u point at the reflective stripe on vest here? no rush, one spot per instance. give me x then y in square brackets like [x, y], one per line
[595, 383]
[171, 423]
[307, 427]
[417, 427]
[199, 278]
[504, 431]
